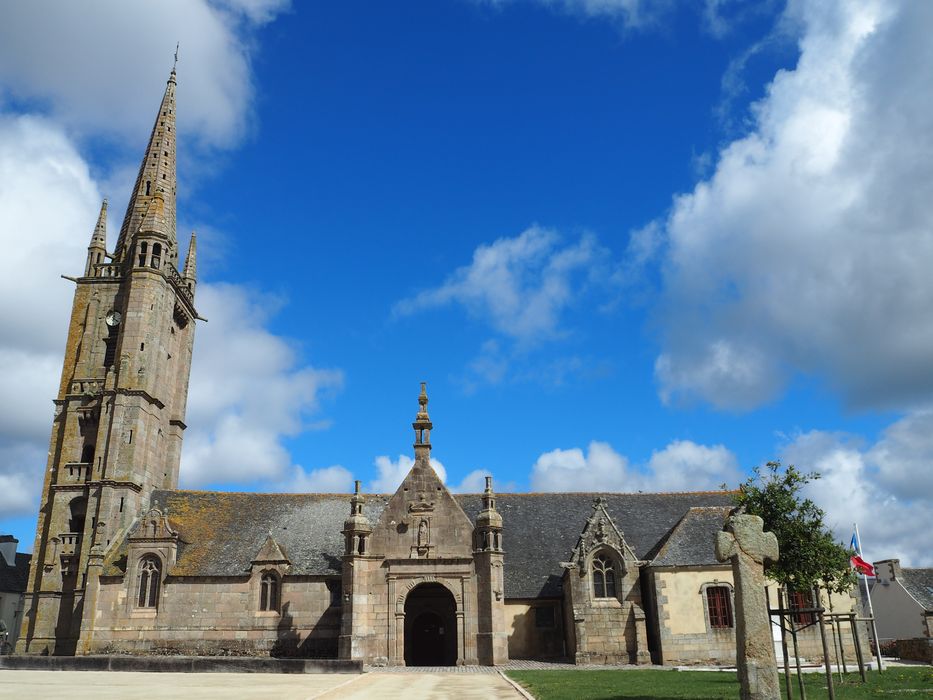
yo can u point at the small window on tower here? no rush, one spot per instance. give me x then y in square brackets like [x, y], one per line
[148, 186]
[110, 347]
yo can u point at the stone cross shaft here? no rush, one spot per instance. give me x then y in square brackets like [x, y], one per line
[744, 542]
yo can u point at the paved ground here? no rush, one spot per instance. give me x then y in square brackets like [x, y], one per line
[430, 686]
[117, 685]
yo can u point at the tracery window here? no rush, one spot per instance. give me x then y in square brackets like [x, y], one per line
[269, 591]
[150, 569]
[604, 577]
[719, 606]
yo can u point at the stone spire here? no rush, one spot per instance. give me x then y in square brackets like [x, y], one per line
[422, 426]
[156, 174]
[191, 260]
[97, 250]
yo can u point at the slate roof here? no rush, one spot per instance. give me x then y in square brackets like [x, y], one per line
[13, 579]
[221, 533]
[919, 583]
[692, 541]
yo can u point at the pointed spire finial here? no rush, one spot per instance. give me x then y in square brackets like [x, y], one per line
[422, 425]
[97, 249]
[191, 260]
[175, 64]
[156, 174]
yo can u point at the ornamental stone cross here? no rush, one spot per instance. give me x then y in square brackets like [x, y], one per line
[744, 541]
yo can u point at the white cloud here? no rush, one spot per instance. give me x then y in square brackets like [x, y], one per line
[391, 473]
[334, 479]
[681, 466]
[248, 388]
[48, 206]
[887, 487]
[520, 286]
[807, 251]
[630, 13]
[248, 391]
[82, 60]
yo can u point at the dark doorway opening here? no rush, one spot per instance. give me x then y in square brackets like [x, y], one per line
[430, 626]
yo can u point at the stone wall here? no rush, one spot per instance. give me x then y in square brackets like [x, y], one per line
[916, 649]
[219, 616]
[682, 623]
[535, 629]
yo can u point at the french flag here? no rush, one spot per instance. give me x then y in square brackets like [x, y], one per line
[860, 565]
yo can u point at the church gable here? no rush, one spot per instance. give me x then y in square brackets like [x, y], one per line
[600, 532]
[422, 520]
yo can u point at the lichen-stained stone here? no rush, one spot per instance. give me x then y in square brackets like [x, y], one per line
[744, 543]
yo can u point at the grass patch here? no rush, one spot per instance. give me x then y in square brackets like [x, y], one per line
[703, 685]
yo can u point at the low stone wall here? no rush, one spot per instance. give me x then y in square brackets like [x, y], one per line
[920, 649]
[178, 664]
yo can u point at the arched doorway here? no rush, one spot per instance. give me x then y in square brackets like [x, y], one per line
[430, 626]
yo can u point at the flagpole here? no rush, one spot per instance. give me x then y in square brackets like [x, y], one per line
[871, 610]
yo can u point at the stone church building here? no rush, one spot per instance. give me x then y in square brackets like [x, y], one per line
[124, 562]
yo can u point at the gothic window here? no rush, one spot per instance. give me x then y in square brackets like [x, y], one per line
[719, 606]
[269, 592]
[143, 247]
[156, 255]
[150, 569]
[604, 577]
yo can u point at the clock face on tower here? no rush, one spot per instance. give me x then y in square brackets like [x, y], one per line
[113, 319]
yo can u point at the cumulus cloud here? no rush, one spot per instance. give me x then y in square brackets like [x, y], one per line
[391, 472]
[886, 486]
[248, 391]
[629, 13]
[520, 286]
[48, 207]
[81, 61]
[334, 479]
[682, 465]
[807, 250]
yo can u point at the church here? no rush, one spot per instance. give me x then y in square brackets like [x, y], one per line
[126, 563]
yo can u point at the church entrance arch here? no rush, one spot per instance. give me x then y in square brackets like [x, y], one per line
[430, 626]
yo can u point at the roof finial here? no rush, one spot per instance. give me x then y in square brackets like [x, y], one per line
[175, 64]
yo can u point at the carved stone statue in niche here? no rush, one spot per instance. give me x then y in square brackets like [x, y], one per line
[423, 533]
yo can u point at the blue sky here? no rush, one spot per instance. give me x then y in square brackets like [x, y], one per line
[630, 246]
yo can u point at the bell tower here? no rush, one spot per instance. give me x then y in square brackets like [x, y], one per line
[120, 410]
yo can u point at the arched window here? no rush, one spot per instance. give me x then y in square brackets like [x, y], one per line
[269, 591]
[719, 606]
[604, 577]
[150, 569]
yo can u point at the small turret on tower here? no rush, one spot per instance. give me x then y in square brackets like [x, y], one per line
[423, 426]
[191, 262]
[97, 250]
[489, 522]
[357, 528]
